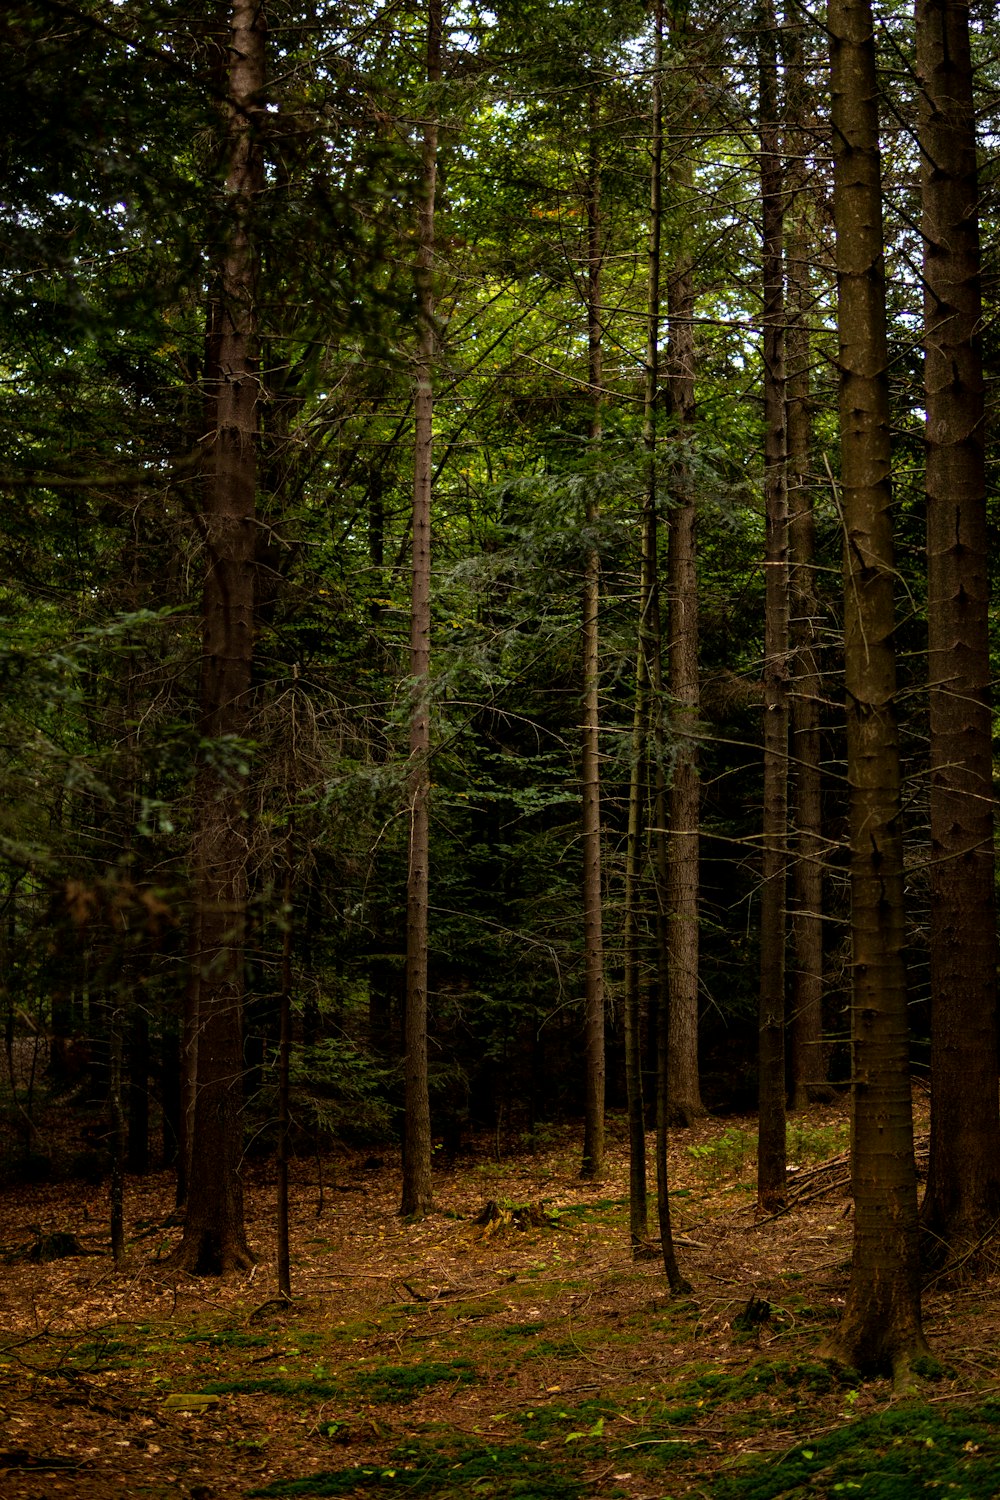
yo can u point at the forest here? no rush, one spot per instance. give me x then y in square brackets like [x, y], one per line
[496, 509]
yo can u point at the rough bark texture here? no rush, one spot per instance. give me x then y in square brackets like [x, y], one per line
[684, 1088]
[881, 1326]
[417, 1192]
[771, 1047]
[808, 1058]
[962, 1201]
[590, 774]
[214, 1240]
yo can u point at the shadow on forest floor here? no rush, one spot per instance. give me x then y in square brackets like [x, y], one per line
[523, 1355]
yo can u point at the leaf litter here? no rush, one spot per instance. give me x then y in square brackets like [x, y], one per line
[506, 1345]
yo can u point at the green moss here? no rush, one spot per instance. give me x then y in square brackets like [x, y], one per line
[226, 1338]
[405, 1382]
[289, 1388]
[908, 1451]
[716, 1386]
[511, 1332]
[483, 1469]
[555, 1420]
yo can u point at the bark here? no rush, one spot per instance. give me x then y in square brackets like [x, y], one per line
[647, 651]
[417, 1190]
[808, 1062]
[684, 1088]
[650, 653]
[138, 1083]
[590, 773]
[214, 1240]
[117, 1194]
[962, 1201]
[771, 1047]
[284, 1066]
[881, 1326]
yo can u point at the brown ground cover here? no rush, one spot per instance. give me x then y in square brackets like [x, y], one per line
[528, 1355]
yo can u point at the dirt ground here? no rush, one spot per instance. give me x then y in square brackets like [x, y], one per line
[529, 1355]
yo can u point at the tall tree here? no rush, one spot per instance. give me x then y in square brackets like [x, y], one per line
[881, 1325]
[214, 1239]
[962, 1201]
[647, 679]
[771, 1054]
[684, 1101]
[590, 774]
[650, 662]
[416, 1196]
[806, 988]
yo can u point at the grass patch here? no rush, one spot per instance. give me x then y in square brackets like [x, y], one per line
[907, 1451]
[482, 1469]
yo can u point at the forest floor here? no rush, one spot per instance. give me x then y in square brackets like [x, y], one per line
[529, 1357]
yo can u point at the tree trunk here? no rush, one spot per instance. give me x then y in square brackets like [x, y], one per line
[881, 1326]
[650, 653]
[808, 1062]
[138, 1070]
[417, 1192]
[284, 1069]
[214, 1239]
[962, 1201]
[684, 1103]
[646, 673]
[590, 774]
[771, 1054]
[117, 1195]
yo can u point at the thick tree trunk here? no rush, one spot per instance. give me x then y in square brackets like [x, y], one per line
[417, 1191]
[771, 1055]
[962, 1201]
[881, 1326]
[590, 772]
[214, 1240]
[684, 1087]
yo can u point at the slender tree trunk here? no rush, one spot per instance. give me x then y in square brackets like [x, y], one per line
[117, 1206]
[188, 1050]
[214, 1240]
[962, 1201]
[284, 1068]
[684, 1103]
[138, 1082]
[650, 657]
[417, 1191]
[881, 1325]
[645, 672]
[590, 773]
[808, 1063]
[771, 1057]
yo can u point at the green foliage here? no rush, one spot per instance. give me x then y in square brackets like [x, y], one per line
[726, 1156]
